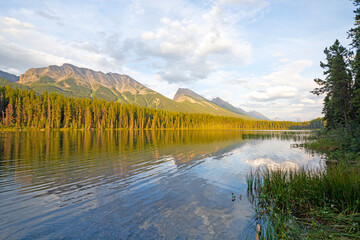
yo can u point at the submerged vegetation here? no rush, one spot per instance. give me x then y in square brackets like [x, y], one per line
[320, 203]
[25, 109]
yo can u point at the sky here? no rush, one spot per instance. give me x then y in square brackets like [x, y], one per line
[256, 54]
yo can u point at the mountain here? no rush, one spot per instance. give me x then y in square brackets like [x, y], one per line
[258, 115]
[197, 103]
[70, 80]
[9, 76]
[184, 93]
[218, 101]
[73, 81]
[221, 103]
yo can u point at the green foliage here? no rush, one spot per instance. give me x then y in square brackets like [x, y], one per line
[317, 123]
[337, 86]
[322, 144]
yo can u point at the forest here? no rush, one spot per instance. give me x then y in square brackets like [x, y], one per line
[26, 109]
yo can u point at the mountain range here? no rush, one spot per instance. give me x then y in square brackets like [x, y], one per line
[73, 81]
[218, 101]
[9, 76]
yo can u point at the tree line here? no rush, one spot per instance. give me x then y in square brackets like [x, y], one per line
[26, 109]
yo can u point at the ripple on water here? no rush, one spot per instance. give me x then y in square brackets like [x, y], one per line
[134, 184]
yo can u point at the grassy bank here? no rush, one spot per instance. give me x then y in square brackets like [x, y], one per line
[310, 203]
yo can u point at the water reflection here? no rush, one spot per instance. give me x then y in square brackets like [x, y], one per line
[134, 184]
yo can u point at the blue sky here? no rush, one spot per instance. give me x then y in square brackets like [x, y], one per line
[257, 54]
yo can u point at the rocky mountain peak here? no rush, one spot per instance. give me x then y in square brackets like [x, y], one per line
[85, 76]
[185, 92]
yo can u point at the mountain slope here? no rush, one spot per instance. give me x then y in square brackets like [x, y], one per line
[221, 103]
[258, 115]
[5, 82]
[9, 76]
[73, 81]
[218, 101]
[197, 103]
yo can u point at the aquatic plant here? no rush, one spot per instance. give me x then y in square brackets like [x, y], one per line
[307, 203]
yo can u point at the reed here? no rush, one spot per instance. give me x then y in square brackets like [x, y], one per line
[307, 203]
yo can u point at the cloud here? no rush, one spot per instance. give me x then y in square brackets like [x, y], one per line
[225, 11]
[137, 8]
[290, 74]
[193, 48]
[273, 93]
[18, 57]
[49, 15]
[8, 22]
[25, 47]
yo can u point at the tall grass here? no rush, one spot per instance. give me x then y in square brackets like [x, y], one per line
[307, 203]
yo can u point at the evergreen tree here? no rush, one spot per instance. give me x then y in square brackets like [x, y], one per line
[337, 86]
[9, 115]
[354, 34]
[26, 109]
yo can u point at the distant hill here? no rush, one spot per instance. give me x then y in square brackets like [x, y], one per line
[9, 76]
[198, 103]
[258, 115]
[221, 103]
[218, 101]
[5, 82]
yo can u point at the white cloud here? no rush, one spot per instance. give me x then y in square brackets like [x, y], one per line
[274, 93]
[290, 74]
[13, 22]
[192, 48]
[27, 48]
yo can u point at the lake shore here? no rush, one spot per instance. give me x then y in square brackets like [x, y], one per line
[310, 203]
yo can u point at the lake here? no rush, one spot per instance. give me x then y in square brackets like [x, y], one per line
[136, 184]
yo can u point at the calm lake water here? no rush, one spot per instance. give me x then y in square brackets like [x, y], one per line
[135, 184]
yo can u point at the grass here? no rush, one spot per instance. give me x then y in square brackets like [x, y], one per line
[307, 203]
[310, 203]
[323, 144]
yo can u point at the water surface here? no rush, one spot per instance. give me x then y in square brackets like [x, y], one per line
[135, 184]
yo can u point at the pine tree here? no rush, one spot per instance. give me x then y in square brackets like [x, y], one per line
[337, 86]
[9, 115]
[88, 118]
[354, 34]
